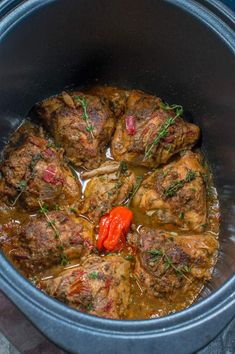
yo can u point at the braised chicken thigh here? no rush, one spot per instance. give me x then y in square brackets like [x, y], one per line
[52, 238]
[176, 193]
[100, 286]
[109, 185]
[150, 132]
[34, 169]
[166, 262]
[83, 124]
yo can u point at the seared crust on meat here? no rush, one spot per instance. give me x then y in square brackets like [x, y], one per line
[100, 286]
[149, 119]
[48, 240]
[170, 196]
[83, 124]
[34, 169]
[166, 262]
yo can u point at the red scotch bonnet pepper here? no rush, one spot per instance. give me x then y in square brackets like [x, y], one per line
[114, 227]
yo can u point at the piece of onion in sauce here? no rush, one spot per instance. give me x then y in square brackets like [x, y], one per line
[130, 125]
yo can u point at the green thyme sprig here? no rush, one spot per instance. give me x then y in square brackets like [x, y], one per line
[163, 131]
[135, 189]
[207, 182]
[168, 262]
[85, 116]
[51, 223]
[122, 169]
[175, 186]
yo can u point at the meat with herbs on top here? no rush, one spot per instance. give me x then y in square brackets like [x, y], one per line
[166, 263]
[109, 185]
[151, 132]
[176, 194]
[132, 232]
[52, 238]
[100, 286]
[83, 124]
[34, 169]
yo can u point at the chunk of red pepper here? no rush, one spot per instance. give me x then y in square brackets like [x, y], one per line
[49, 176]
[113, 228]
[130, 125]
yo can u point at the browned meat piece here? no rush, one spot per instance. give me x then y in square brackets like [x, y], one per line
[81, 123]
[100, 286]
[149, 133]
[176, 194]
[33, 169]
[109, 186]
[115, 97]
[166, 263]
[53, 238]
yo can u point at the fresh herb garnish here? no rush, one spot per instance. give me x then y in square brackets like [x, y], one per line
[35, 160]
[174, 107]
[206, 180]
[22, 185]
[63, 259]
[175, 186]
[168, 262]
[163, 131]
[181, 215]
[93, 275]
[129, 257]
[73, 210]
[134, 190]
[180, 270]
[155, 254]
[51, 223]
[43, 208]
[85, 116]
[90, 307]
[122, 170]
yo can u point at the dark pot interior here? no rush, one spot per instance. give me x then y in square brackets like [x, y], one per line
[169, 48]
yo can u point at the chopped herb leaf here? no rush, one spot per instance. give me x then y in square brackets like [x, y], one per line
[129, 257]
[63, 259]
[123, 169]
[93, 275]
[134, 190]
[73, 210]
[155, 252]
[22, 185]
[181, 215]
[51, 222]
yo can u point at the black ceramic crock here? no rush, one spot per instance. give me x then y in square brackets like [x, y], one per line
[181, 50]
